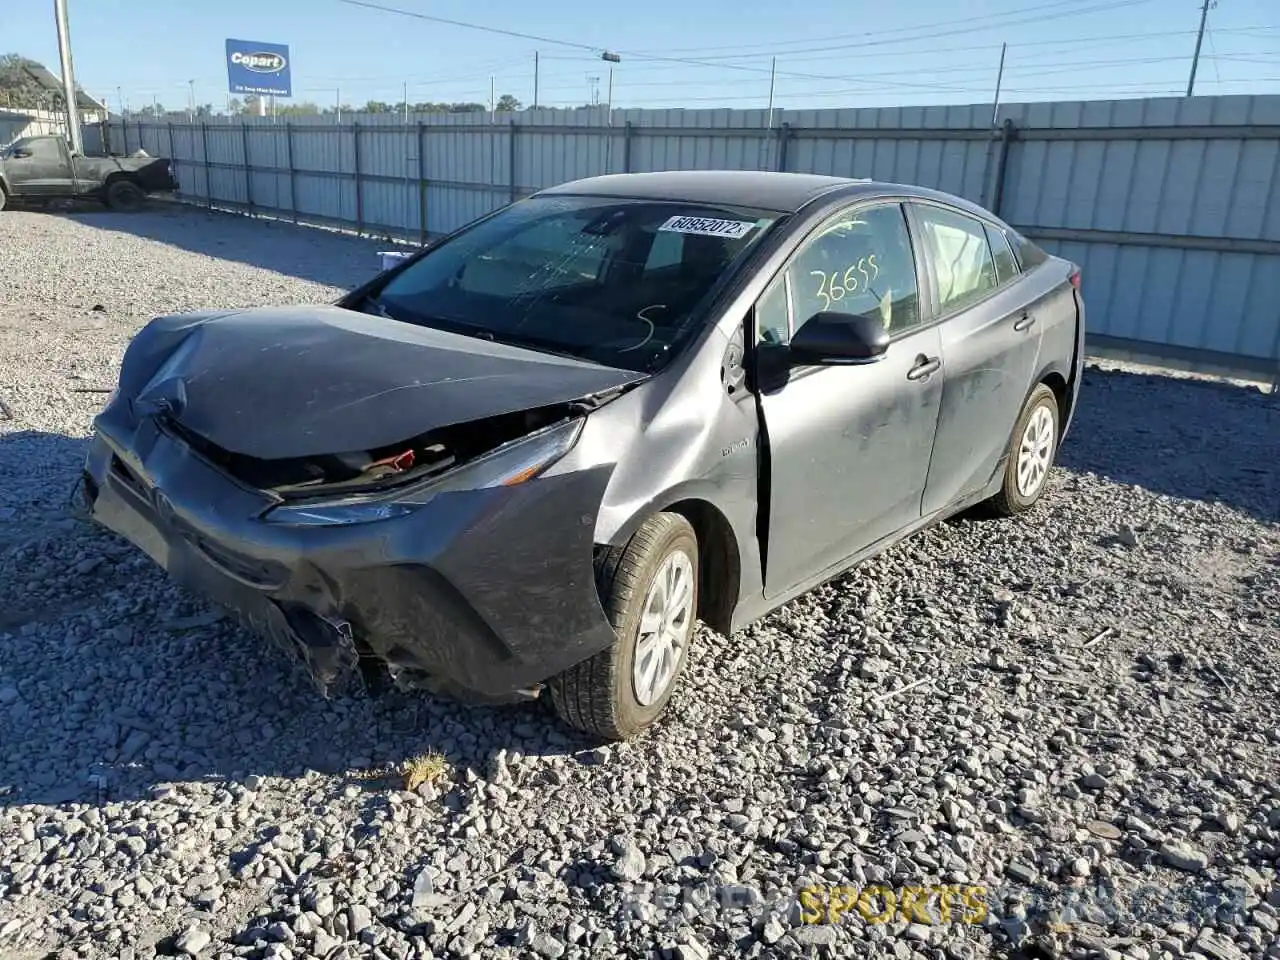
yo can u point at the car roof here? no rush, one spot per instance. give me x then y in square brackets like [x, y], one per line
[781, 192]
[761, 189]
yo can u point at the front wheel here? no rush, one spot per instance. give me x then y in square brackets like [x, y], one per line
[1031, 453]
[124, 196]
[649, 590]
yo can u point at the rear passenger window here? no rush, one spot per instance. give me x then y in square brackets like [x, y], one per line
[961, 257]
[1006, 265]
[1028, 254]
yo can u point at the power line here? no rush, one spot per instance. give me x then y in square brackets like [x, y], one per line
[773, 47]
[471, 26]
[1063, 43]
[560, 42]
[983, 69]
[1217, 74]
[1095, 8]
[1108, 6]
[580, 46]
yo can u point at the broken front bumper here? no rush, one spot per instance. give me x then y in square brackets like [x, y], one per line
[491, 590]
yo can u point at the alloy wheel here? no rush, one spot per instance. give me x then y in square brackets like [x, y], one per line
[665, 626]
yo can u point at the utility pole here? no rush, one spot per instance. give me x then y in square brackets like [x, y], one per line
[68, 76]
[493, 104]
[611, 58]
[773, 77]
[191, 109]
[1195, 59]
[337, 103]
[765, 141]
[995, 106]
[535, 78]
[406, 103]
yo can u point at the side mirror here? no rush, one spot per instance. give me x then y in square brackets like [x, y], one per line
[830, 338]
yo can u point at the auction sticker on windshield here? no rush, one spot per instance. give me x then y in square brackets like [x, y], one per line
[733, 229]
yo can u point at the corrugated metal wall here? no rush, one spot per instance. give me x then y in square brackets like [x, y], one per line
[1172, 206]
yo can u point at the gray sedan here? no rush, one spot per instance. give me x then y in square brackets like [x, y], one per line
[529, 457]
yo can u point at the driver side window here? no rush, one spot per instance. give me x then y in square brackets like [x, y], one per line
[18, 147]
[859, 262]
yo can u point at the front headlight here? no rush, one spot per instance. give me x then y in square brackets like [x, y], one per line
[509, 465]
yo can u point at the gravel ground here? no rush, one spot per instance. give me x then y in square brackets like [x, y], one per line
[1075, 710]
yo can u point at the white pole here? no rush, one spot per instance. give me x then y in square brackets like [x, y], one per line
[191, 110]
[68, 76]
[406, 103]
[262, 106]
[337, 102]
[493, 104]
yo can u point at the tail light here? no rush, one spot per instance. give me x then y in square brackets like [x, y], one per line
[1075, 277]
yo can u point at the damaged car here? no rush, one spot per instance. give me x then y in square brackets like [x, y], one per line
[530, 457]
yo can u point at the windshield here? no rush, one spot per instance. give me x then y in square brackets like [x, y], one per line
[619, 282]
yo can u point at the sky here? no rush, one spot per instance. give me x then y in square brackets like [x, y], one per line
[674, 53]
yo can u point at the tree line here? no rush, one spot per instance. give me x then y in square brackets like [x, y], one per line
[19, 89]
[306, 108]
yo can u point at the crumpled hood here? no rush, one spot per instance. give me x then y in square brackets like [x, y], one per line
[283, 382]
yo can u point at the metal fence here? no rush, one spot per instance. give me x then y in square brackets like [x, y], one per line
[1171, 206]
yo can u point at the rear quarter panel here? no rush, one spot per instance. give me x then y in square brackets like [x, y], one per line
[1054, 301]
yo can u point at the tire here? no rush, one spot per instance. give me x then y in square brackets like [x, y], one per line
[124, 195]
[3, 197]
[1016, 497]
[602, 696]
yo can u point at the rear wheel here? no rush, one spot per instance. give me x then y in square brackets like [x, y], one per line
[1031, 453]
[3, 197]
[649, 590]
[124, 195]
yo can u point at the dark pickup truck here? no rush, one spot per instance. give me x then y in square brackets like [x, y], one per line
[40, 169]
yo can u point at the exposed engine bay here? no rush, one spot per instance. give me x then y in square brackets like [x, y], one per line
[360, 471]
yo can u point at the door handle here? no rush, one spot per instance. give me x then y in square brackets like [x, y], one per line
[1026, 323]
[925, 367]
